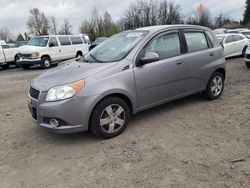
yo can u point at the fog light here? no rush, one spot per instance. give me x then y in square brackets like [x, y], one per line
[54, 123]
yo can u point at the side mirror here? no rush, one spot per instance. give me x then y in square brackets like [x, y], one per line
[51, 44]
[149, 57]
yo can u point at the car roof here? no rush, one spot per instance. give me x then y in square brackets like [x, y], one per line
[162, 27]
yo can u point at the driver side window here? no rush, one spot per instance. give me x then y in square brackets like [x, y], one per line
[53, 42]
[166, 46]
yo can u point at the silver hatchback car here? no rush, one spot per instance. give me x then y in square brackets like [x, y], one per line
[128, 73]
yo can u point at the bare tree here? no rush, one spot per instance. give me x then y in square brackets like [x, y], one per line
[38, 24]
[203, 19]
[66, 28]
[4, 33]
[53, 25]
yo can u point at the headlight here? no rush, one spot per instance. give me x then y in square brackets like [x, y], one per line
[64, 91]
[35, 55]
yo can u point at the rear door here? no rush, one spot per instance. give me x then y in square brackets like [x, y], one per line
[55, 49]
[240, 43]
[163, 79]
[2, 58]
[230, 47]
[200, 55]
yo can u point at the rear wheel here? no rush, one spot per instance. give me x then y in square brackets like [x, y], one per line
[110, 117]
[16, 59]
[25, 66]
[6, 66]
[45, 62]
[247, 64]
[244, 51]
[215, 86]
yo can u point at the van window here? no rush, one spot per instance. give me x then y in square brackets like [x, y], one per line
[76, 40]
[84, 40]
[64, 41]
[229, 39]
[196, 41]
[165, 46]
[53, 41]
[238, 37]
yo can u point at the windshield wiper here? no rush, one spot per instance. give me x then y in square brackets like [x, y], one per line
[95, 58]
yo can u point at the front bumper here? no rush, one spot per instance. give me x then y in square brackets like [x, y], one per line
[31, 62]
[73, 114]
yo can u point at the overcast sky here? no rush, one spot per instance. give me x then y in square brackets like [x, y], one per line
[14, 13]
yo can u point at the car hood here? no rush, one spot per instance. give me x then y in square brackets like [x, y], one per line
[29, 49]
[66, 73]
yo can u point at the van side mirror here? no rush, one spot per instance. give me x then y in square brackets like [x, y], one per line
[149, 57]
[51, 44]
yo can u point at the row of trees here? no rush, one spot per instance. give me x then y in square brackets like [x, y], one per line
[139, 14]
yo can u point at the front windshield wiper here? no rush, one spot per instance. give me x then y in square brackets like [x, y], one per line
[95, 58]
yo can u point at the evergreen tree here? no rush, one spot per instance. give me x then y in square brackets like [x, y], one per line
[246, 19]
[20, 38]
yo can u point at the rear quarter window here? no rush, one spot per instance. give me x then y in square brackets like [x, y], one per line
[196, 41]
[64, 41]
[76, 40]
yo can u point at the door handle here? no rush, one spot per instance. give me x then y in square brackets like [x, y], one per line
[179, 62]
[211, 54]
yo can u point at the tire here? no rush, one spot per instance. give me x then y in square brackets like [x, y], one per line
[45, 62]
[26, 66]
[247, 64]
[215, 86]
[78, 54]
[244, 51]
[6, 66]
[15, 61]
[104, 123]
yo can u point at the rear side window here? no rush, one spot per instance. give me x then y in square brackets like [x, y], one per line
[237, 37]
[229, 39]
[84, 40]
[165, 46]
[196, 41]
[64, 41]
[76, 40]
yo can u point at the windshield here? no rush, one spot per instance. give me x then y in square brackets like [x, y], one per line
[38, 41]
[115, 48]
[220, 38]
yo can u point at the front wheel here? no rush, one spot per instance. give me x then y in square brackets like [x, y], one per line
[247, 64]
[25, 66]
[45, 62]
[110, 117]
[215, 86]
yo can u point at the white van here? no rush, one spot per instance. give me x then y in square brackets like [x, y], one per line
[46, 50]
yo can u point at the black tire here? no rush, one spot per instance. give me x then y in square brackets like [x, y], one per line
[45, 62]
[15, 61]
[79, 54]
[247, 64]
[211, 94]
[26, 66]
[244, 51]
[100, 111]
[6, 66]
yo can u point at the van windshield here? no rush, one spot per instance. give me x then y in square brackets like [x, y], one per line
[38, 41]
[115, 48]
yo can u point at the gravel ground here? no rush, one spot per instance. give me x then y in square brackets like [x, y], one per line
[188, 143]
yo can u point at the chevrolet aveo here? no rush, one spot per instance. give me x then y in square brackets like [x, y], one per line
[128, 73]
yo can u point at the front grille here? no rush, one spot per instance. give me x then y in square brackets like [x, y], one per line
[248, 56]
[26, 56]
[34, 93]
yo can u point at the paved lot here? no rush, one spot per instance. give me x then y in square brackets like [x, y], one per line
[188, 143]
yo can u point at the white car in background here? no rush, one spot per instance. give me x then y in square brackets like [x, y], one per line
[51, 49]
[8, 55]
[247, 57]
[246, 33]
[234, 44]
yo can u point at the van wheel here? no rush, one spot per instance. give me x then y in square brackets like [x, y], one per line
[247, 64]
[45, 62]
[215, 86]
[6, 66]
[109, 118]
[25, 66]
[15, 61]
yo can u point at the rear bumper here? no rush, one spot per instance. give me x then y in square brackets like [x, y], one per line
[28, 61]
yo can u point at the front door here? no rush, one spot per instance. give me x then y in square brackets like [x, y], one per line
[163, 79]
[55, 49]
